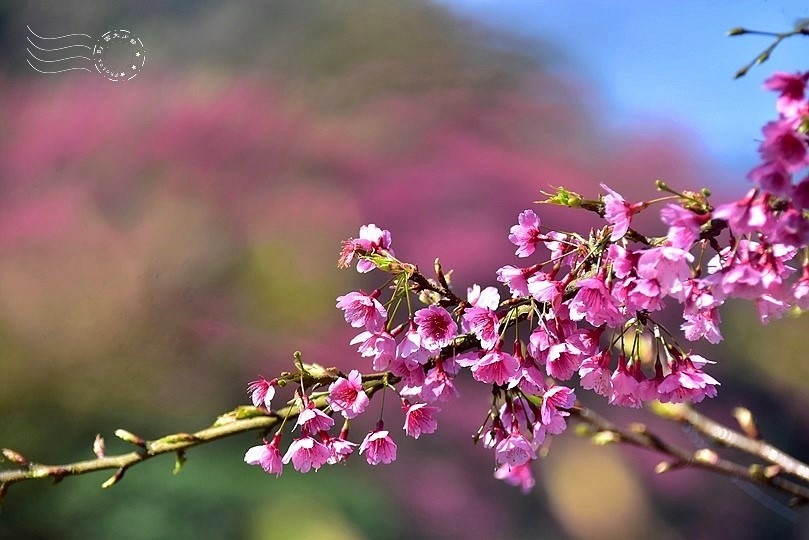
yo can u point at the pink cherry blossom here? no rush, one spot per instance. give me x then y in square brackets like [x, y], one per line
[596, 374]
[267, 455]
[782, 142]
[410, 349]
[800, 289]
[525, 235]
[347, 396]
[773, 177]
[378, 447]
[312, 420]
[750, 214]
[687, 382]
[625, 386]
[515, 278]
[372, 240]
[261, 392]
[792, 87]
[545, 289]
[363, 310]
[617, 212]
[436, 327]
[419, 419]
[381, 346]
[668, 265]
[514, 450]
[684, 225]
[519, 475]
[340, 449]
[554, 402]
[483, 322]
[307, 453]
[595, 303]
[494, 367]
[438, 385]
[487, 298]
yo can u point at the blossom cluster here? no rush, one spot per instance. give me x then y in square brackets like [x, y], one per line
[588, 308]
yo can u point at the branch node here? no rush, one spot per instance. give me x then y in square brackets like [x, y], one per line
[668, 466]
[606, 437]
[638, 427]
[706, 455]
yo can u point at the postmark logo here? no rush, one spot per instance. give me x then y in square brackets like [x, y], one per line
[117, 55]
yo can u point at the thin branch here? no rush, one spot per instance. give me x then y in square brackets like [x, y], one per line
[801, 29]
[734, 439]
[704, 458]
[240, 420]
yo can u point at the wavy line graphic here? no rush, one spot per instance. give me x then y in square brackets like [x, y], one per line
[60, 37]
[59, 71]
[57, 48]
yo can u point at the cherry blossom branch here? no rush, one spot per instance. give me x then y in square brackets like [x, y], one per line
[639, 436]
[245, 419]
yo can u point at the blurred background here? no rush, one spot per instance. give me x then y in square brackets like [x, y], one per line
[166, 239]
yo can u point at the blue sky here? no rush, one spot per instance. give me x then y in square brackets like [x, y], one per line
[658, 61]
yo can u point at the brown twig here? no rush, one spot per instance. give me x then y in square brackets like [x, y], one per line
[734, 439]
[240, 420]
[703, 458]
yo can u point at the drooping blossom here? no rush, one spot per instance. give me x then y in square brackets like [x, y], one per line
[307, 453]
[518, 475]
[363, 310]
[347, 396]
[438, 385]
[545, 289]
[267, 455]
[312, 420]
[555, 401]
[419, 419]
[687, 381]
[594, 303]
[340, 448]
[625, 386]
[596, 374]
[514, 450]
[378, 446]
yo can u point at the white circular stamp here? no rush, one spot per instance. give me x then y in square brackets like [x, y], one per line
[119, 55]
